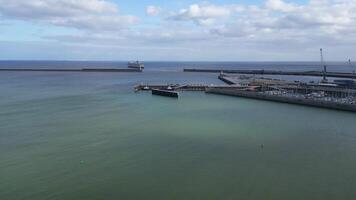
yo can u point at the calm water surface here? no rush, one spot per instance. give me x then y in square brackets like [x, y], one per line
[89, 136]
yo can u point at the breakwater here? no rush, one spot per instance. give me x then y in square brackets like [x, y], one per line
[69, 70]
[275, 72]
[283, 99]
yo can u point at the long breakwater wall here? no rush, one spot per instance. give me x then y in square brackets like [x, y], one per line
[69, 70]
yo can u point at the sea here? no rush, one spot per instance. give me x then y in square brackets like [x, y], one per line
[71, 136]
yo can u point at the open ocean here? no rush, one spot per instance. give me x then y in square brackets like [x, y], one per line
[70, 136]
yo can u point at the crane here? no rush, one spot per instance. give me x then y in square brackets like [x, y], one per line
[353, 70]
[323, 66]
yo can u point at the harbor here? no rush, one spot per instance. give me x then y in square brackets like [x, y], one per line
[332, 95]
[338, 94]
[107, 133]
[177, 100]
[94, 120]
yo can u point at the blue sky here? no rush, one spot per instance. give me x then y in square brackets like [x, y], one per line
[220, 30]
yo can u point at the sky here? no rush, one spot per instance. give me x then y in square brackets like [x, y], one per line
[178, 30]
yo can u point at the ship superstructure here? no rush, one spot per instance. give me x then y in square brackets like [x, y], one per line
[136, 65]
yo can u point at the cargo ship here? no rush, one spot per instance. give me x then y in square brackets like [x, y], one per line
[136, 65]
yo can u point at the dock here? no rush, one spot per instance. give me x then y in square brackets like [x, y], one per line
[285, 99]
[184, 87]
[276, 72]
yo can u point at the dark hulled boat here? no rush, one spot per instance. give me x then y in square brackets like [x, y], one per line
[166, 93]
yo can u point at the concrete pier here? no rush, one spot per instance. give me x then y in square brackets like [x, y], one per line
[185, 87]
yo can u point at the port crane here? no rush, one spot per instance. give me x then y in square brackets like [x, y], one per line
[353, 69]
[323, 66]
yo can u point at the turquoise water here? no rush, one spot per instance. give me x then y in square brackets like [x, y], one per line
[89, 136]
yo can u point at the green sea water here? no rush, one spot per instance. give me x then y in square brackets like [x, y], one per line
[76, 136]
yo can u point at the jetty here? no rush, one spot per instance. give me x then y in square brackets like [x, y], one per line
[275, 72]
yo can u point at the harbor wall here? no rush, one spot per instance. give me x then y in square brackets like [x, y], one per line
[70, 70]
[282, 99]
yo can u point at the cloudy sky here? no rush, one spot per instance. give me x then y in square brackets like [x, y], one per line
[176, 30]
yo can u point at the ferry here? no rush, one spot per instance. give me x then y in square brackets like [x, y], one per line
[136, 65]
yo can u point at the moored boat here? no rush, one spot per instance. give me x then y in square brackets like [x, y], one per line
[167, 93]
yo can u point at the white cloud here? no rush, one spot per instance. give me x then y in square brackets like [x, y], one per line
[276, 27]
[202, 14]
[279, 18]
[88, 14]
[280, 5]
[153, 10]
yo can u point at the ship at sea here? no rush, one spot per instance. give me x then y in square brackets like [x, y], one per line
[136, 65]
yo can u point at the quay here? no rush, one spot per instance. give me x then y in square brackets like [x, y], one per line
[276, 72]
[297, 89]
[284, 99]
[112, 70]
[293, 86]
